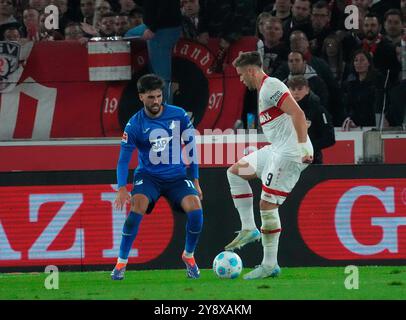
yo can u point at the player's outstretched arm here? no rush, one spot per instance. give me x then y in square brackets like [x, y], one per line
[290, 107]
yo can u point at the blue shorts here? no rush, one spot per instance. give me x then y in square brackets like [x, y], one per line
[174, 191]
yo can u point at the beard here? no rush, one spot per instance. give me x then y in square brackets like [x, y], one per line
[371, 35]
[154, 109]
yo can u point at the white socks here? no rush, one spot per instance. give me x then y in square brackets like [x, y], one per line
[270, 232]
[243, 200]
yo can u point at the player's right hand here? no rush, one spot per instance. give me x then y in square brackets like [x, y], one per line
[306, 153]
[122, 197]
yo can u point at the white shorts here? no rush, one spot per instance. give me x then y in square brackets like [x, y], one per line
[278, 174]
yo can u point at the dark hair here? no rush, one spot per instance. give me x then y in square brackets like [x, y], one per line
[150, 82]
[298, 81]
[372, 15]
[371, 69]
[340, 53]
[251, 58]
[298, 52]
[393, 12]
[321, 5]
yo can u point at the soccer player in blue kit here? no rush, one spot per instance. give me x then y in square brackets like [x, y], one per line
[157, 131]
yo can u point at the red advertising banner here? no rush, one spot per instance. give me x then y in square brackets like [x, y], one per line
[73, 225]
[355, 219]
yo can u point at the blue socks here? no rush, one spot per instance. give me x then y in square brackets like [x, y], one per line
[193, 228]
[130, 231]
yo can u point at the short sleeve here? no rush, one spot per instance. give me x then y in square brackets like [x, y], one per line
[276, 91]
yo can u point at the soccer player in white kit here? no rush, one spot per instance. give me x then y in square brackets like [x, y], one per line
[278, 165]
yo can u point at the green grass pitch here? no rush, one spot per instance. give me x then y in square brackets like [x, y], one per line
[313, 283]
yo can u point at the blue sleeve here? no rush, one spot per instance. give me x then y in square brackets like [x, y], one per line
[122, 165]
[126, 151]
[188, 136]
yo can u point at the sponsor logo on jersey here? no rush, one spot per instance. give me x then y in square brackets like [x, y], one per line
[125, 137]
[264, 117]
[160, 144]
[276, 96]
[172, 125]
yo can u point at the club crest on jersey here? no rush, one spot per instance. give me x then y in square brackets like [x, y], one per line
[124, 137]
[160, 144]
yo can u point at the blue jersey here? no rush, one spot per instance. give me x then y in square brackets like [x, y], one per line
[159, 144]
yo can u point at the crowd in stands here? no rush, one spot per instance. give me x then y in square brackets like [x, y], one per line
[353, 73]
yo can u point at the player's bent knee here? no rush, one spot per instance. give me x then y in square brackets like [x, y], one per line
[265, 205]
[139, 203]
[241, 169]
[191, 203]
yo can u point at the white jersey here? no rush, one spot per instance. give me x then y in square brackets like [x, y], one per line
[278, 126]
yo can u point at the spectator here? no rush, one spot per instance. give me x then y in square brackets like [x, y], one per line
[101, 8]
[137, 31]
[382, 51]
[87, 9]
[107, 25]
[298, 66]
[320, 18]
[320, 125]
[393, 26]
[136, 17]
[262, 17]
[300, 19]
[228, 20]
[190, 18]
[126, 6]
[273, 51]
[30, 28]
[6, 12]
[363, 92]
[38, 5]
[162, 19]
[332, 53]
[73, 31]
[300, 43]
[11, 32]
[121, 24]
[282, 10]
[380, 7]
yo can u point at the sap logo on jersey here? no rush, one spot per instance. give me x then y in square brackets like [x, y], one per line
[160, 144]
[358, 219]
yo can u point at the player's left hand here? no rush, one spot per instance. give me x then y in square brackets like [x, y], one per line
[197, 187]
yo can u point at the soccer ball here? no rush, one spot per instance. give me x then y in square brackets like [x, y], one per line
[227, 265]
